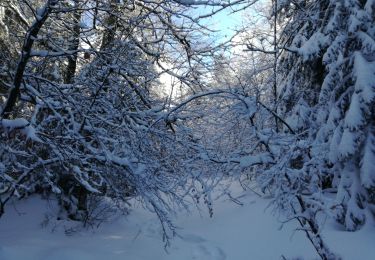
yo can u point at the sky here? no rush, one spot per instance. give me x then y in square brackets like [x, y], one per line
[227, 22]
[223, 22]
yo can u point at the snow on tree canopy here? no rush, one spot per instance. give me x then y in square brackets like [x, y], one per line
[354, 116]
[22, 125]
[313, 45]
[365, 78]
[251, 160]
[334, 71]
[367, 163]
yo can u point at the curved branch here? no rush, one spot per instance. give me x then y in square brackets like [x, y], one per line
[216, 92]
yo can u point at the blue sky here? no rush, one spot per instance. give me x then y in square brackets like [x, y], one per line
[227, 21]
[223, 21]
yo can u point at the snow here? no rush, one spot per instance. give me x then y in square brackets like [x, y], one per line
[354, 118]
[82, 180]
[313, 46]
[235, 232]
[300, 117]
[354, 24]
[365, 82]
[41, 11]
[39, 53]
[348, 143]
[369, 5]
[334, 145]
[251, 160]
[20, 124]
[83, 25]
[367, 163]
[16, 123]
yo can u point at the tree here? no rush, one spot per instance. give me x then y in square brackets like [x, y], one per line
[83, 117]
[334, 95]
[326, 94]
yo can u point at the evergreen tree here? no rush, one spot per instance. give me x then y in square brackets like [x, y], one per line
[328, 93]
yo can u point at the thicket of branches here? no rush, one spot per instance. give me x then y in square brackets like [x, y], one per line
[81, 113]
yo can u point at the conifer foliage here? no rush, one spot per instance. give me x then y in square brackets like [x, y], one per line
[327, 94]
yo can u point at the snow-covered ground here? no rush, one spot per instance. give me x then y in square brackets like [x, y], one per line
[235, 232]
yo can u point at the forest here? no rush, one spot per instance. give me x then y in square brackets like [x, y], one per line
[108, 104]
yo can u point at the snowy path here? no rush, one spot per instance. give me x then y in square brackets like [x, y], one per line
[234, 233]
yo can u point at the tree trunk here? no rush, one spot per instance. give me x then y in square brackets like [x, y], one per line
[30, 37]
[111, 26]
[72, 60]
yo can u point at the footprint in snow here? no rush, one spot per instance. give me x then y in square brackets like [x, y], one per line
[193, 238]
[151, 229]
[202, 252]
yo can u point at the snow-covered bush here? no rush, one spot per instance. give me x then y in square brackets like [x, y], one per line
[83, 118]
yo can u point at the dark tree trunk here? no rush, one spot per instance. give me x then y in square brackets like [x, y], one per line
[30, 37]
[72, 60]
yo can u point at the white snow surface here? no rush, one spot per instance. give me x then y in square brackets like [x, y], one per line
[235, 232]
